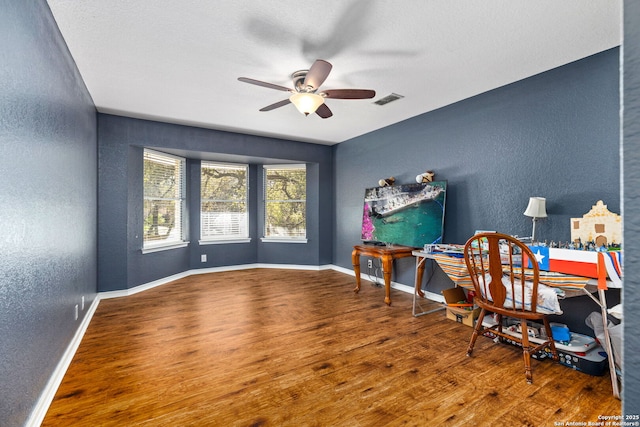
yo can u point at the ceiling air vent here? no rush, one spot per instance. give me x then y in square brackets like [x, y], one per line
[389, 98]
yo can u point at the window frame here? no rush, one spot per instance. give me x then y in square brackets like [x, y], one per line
[149, 246]
[225, 238]
[283, 239]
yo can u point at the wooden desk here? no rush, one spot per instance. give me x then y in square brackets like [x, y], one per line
[386, 254]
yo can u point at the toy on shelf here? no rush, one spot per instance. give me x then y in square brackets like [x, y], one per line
[597, 228]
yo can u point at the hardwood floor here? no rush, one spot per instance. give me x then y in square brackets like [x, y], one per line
[277, 347]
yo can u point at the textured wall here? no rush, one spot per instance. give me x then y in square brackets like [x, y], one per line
[47, 203]
[553, 135]
[631, 207]
[121, 142]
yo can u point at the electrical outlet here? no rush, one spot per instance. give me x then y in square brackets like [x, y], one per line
[75, 312]
[369, 263]
[203, 258]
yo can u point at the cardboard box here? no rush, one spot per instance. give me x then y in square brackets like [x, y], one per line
[459, 314]
[454, 295]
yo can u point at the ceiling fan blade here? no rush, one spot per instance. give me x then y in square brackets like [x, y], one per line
[349, 93]
[264, 84]
[276, 105]
[318, 73]
[324, 111]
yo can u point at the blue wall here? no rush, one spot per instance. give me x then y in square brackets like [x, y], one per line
[48, 208]
[553, 135]
[631, 207]
[121, 140]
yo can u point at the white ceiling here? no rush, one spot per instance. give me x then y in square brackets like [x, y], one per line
[178, 60]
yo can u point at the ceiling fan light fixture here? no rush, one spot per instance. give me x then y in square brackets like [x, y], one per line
[306, 103]
[305, 95]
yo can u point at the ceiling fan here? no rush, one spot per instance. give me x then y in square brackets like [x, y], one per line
[305, 95]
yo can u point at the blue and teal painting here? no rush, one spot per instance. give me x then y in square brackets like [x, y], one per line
[409, 214]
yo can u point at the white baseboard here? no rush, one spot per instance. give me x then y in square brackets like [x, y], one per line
[395, 285]
[143, 287]
[343, 270]
[434, 297]
[49, 392]
[165, 280]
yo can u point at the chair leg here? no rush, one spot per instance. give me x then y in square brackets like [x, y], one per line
[527, 367]
[498, 319]
[476, 331]
[525, 351]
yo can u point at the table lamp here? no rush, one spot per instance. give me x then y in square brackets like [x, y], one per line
[536, 209]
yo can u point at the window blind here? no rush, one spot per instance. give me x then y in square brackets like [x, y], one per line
[224, 201]
[285, 192]
[164, 199]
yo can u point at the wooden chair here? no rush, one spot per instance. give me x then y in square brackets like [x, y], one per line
[494, 264]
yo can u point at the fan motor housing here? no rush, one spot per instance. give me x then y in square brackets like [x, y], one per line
[298, 82]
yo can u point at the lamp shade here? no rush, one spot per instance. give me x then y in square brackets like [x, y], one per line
[537, 207]
[306, 103]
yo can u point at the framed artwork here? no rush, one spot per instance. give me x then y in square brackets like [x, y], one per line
[408, 215]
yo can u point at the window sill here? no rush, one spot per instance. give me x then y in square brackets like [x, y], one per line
[164, 247]
[282, 240]
[224, 241]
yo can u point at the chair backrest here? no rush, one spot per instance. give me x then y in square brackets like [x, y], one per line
[494, 261]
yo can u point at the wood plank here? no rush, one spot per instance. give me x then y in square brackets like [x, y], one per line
[283, 347]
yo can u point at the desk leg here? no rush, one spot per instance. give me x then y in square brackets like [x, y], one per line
[355, 260]
[387, 266]
[420, 262]
[608, 345]
[602, 302]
